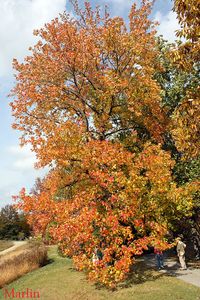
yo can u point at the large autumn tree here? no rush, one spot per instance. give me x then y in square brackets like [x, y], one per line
[88, 102]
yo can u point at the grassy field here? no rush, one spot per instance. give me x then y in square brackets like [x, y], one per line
[59, 281]
[5, 245]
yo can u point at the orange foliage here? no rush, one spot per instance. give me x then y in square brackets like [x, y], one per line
[86, 82]
[120, 204]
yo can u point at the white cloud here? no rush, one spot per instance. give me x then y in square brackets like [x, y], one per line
[120, 6]
[24, 164]
[120, 2]
[18, 20]
[168, 25]
[18, 172]
[23, 158]
[20, 151]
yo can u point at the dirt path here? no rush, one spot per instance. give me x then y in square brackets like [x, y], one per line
[15, 246]
[172, 268]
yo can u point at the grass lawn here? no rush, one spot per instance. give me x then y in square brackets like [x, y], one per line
[59, 281]
[5, 244]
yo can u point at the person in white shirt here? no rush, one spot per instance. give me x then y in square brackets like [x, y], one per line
[180, 248]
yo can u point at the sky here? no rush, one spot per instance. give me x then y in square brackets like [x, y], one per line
[18, 19]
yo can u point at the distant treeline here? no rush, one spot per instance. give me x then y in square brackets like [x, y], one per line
[13, 224]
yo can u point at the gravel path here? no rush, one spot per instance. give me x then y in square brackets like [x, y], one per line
[15, 246]
[172, 267]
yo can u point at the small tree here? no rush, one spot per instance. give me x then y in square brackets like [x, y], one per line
[12, 224]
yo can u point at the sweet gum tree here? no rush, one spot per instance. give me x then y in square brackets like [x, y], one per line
[87, 102]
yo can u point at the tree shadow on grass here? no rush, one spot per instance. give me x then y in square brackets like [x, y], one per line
[139, 274]
[145, 270]
[49, 261]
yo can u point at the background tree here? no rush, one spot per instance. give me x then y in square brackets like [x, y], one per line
[185, 129]
[186, 56]
[188, 12]
[13, 225]
[175, 82]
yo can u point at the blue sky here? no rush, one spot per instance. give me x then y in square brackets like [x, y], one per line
[17, 20]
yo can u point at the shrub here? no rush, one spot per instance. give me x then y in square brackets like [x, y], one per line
[18, 263]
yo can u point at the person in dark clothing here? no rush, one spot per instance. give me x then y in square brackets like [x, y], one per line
[159, 258]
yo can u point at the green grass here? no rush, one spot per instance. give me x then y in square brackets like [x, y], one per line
[5, 244]
[59, 281]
